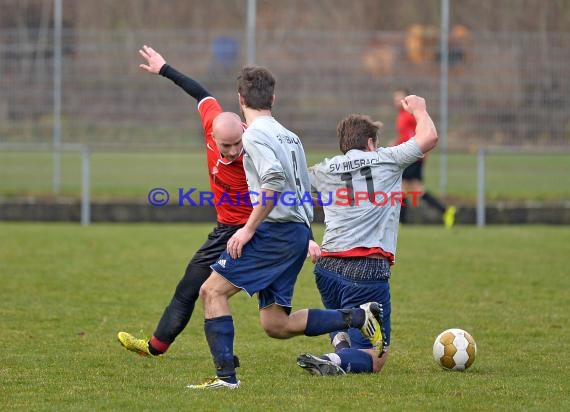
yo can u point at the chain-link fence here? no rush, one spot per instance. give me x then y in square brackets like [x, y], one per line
[504, 88]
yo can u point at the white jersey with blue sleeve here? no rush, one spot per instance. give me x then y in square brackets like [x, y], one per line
[360, 192]
[274, 159]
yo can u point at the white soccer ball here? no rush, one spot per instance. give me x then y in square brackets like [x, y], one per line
[454, 349]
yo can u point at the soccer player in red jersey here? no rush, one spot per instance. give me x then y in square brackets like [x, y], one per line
[223, 141]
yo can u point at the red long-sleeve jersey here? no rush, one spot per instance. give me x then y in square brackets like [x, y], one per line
[227, 179]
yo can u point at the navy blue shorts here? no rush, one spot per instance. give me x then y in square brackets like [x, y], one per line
[343, 292]
[269, 264]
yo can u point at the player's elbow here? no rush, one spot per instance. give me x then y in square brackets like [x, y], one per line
[433, 138]
[428, 141]
[274, 181]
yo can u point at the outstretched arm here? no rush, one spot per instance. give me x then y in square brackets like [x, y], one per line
[156, 64]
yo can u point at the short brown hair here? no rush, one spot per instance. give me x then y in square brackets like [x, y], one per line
[354, 131]
[256, 85]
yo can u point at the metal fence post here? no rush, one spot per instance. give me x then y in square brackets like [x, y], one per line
[57, 25]
[250, 31]
[481, 188]
[443, 115]
[85, 185]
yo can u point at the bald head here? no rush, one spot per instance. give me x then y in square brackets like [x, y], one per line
[228, 128]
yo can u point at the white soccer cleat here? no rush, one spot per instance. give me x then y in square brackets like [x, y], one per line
[318, 366]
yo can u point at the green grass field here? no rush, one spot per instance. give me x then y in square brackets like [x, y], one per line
[67, 290]
[132, 175]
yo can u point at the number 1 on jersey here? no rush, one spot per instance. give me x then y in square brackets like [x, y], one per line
[347, 178]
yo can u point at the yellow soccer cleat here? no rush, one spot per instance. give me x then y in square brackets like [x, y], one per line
[133, 344]
[449, 217]
[373, 328]
[215, 383]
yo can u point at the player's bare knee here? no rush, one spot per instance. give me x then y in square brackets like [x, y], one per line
[275, 322]
[274, 333]
[202, 293]
[378, 363]
[271, 329]
[274, 329]
[376, 367]
[208, 293]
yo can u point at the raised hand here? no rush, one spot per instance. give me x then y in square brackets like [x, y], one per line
[413, 103]
[154, 61]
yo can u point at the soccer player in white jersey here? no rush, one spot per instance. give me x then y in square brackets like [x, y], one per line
[223, 146]
[361, 193]
[266, 255]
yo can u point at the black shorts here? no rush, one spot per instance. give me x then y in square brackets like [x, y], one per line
[216, 243]
[414, 171]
